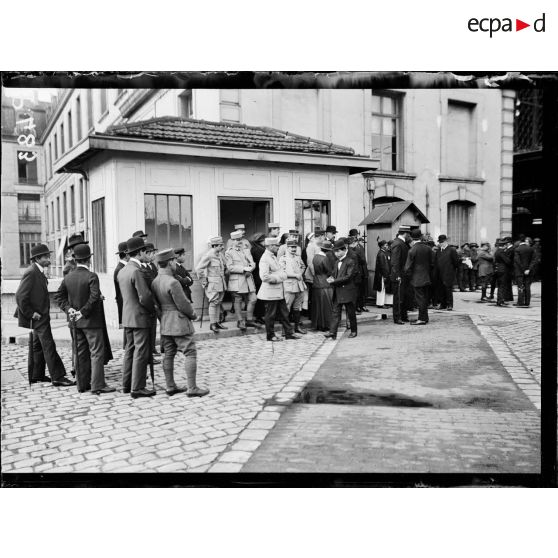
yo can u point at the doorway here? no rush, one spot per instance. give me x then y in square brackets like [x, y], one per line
[254, 213]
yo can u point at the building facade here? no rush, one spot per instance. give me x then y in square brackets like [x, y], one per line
[450, 152]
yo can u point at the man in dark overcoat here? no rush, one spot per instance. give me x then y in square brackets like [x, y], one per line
[137, 315]
[503, 266]
[524, 264]
[399, 252]
[122, 261]
[419, 266]
[150, 270]
[344, 289]
[79, 296]
[33, 311]
[446, 263]
[181, 274]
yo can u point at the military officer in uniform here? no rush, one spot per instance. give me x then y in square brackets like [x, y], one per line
[240, 266]
[177, 331]
[292, 235]
[245, 243]
[211, 273]
[79, 296]
[294, 285]
[181, 274]
[137, 318]
[272, 292]
[33, 311]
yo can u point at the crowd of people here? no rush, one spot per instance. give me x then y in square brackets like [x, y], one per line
[269, 278]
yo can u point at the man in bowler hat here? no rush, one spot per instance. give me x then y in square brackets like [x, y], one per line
[137, 315]
[177, 331]
[419, 266]
[344, 289]
[79, 296]
[181, 274]
[122, 261]
[33, 311]
[446, 263]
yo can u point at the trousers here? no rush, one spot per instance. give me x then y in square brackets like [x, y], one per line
[336, 315]
[400, 300]
[273, 309]
[90, 373]
[44, 353]
[186, 345]
[422, 295]
[523, 290]
[294, 300]
[136, 358]
[214, 299]
[250, 300]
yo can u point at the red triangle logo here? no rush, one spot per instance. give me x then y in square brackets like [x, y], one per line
[519, 25]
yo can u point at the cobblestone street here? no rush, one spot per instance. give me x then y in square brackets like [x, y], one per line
[460, 395]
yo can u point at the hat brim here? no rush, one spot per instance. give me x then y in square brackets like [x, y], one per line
[42, 254]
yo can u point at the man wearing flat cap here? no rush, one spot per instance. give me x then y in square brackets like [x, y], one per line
[240, 266]
[446, 263]
[211, 273]
[177, 331]
[244, 241]
[33, 312]
[79, 296]
[181, 274]
[399, 281]
[272, 292]
[419, 266]
[137, 315]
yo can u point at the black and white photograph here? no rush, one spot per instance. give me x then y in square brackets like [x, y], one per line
[230, 280]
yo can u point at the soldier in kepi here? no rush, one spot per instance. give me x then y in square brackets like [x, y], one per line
[240, 265]
[294, 284]
[211, 273]
[177, 331]
[245, 243]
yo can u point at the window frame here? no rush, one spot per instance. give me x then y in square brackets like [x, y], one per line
[397, 99]
[300, 220]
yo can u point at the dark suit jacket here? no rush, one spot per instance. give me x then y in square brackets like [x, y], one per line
[32, 296]
[523, 259]
[383, 270]
[117, 290]
[148, 273]
[344, 286]
[185, 280]
[80, 290]
[419, 265]
[399, 252]
[503, 261]
[446, 262]
[138, 307]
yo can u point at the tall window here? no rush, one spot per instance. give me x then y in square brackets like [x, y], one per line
[461, 139]
[57, 213]
[103, 101]
[55, 147]
[185, 104]
[65, 209]
[29, 218]
[72, 205]
[62, 140]
[78, 118]
[99, 236]
[168, 222]
[70, 139]
[461, 222]
[49, 160]
[89, 109]
[386, 130]
[52, 216]
[310, 214]
[81, 199]
[26, 170]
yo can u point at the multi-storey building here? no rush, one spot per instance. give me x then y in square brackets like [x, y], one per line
[186, 164]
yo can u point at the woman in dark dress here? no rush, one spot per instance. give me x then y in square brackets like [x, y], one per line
[322, 293]
[382, 283]
[257, 249]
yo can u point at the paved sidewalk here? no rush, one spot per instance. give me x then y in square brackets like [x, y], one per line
[425, 399]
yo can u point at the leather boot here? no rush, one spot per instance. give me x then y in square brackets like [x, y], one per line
[214, 328]
[297, 327]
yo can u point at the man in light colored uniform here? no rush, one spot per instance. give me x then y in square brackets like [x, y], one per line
[244, 242]
[240, 265]
[211, 273]
[294, 285]
[273, 230]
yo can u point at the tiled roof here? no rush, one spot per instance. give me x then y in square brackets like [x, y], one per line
[226, 134]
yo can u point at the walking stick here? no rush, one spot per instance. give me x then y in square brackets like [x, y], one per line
[75, 359]
[203, 304]
[399, 295]
[30, 354]
[151, 365]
